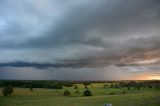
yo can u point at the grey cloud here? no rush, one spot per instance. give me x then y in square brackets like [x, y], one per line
[108, 18]
[22, 73]
[102, 73]
[80, 33]
[120, 21]
[110, 25]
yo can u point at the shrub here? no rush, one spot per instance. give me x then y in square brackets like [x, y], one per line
[8, 90]
[124, 92]
[112, 93]
[85, 86]
[77, 92]
[112, 85]
[138, 87]
[31, 89]
[75, 87]
[87, 93]
[129, 87]
[150, 86]
[117, 86]
[66, 93]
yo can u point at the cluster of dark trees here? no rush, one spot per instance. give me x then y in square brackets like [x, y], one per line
[8, 85]
[8, 90]
[60, 84]
[143, 84]
[134, 84]
[32, 84]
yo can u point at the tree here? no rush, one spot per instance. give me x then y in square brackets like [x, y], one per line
[75, 87]
[150, 86]
[31, 89]
[129, 87]
[87, 93]
[124, 92]
[86, 87]
[56, 86]
[77, 92]
[66, 93]
[85, 84]
[112, 93]
[116, 86]
[112, 85]
[8, 90]
[138, 87]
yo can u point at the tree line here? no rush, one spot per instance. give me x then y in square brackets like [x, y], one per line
[60, 84]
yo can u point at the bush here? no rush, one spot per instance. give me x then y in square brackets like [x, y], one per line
[124, 92]
[75, 87]
[77, 92]
[150, 86]
[117, 86]
[66, 93]
[8, 90]
[129, 87]
[112, 85]
[87, 93]
[31, 89]
[85, 86]
[111, 93]
[138, 87]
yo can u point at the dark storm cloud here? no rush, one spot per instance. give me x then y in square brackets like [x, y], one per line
[74, 34]
[110, 25]
[44, 65]
[107, 18]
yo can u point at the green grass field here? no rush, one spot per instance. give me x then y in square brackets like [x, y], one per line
[50, 97]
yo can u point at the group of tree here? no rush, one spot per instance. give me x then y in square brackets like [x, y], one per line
[75, 87]
[8, 90]
[134, 84]
[66, 93]
[87, 92]
[32, 84]
[9, 84]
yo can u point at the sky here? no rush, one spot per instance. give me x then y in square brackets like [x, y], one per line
[80, 39]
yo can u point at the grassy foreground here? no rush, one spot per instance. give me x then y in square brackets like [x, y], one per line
[50, 97]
